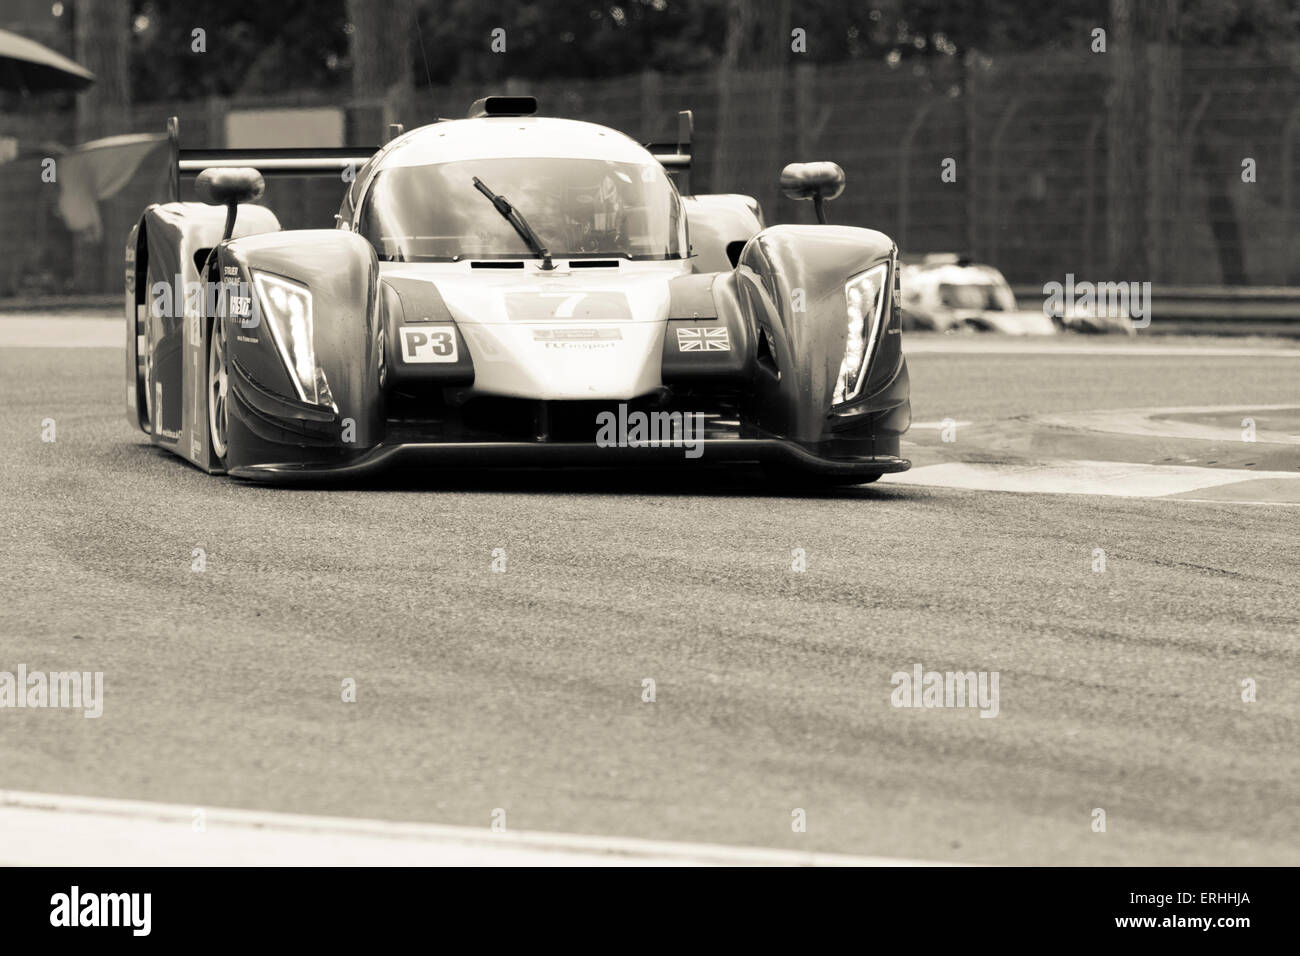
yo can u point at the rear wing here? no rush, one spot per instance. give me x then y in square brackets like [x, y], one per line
[334, 161]
[307, 161]
[676, 157]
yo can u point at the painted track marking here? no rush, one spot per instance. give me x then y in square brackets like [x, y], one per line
[1069, 347]
[55, 830]
[1161, 423]
[1112, 478]
[66, 332]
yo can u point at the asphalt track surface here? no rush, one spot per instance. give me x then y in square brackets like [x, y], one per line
[522, 690]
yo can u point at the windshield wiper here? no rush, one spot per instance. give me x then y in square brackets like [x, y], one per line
[513, 217]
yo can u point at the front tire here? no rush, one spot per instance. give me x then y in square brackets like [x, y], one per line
[218, 393]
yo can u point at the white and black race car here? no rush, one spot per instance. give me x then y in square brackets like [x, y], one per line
[505, 289]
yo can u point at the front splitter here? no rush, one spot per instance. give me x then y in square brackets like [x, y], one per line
[573, 454]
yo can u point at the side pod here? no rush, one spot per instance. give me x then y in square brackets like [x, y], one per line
[791, 281]
[166, 303]
[306, 386]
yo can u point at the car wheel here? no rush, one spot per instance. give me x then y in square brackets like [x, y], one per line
[218, 391]
[144, 364]
[148, 389]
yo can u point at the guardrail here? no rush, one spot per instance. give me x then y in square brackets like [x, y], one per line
[87, 302]
[1217, 310]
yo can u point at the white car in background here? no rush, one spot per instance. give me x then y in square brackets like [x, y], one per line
[944, 292]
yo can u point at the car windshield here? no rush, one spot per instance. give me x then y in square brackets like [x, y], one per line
[577, 207]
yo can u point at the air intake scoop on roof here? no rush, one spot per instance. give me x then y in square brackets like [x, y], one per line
[503, 106]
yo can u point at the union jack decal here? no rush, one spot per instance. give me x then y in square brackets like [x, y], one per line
[712, 339]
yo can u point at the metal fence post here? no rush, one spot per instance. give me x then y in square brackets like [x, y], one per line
[803, 111]
[651, 97]
[904, 164]
[1090, 193]
[995, 194]
[971, 158]
[1288, 181]
[215, 107]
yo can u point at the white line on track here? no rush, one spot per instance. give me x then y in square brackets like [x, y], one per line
[64, 332]
[1222, 501]
[1160, 423]
[939, 426]
[38, 829]
[1066, 347]
[1068, 477]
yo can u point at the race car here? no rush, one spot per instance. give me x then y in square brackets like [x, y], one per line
[948, 293]
[510, 289]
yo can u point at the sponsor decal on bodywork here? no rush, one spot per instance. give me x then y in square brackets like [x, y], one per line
[577, 338]
[238, 297]
[193, 299]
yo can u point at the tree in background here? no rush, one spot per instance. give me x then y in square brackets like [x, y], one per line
[251, 47]
[379, 36]
[101, 44]
[1125, 223]
[274, 47]
[558, 39]
[379, 46]
[101, 37]
[1164, 149]
[146, 51]
[757, 38]
[1149, 157]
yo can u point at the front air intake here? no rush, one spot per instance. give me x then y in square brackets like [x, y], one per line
[503, 106]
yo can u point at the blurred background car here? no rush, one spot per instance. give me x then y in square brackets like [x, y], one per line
[945, 292]
[1092, 319]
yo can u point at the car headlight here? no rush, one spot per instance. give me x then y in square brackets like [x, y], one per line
[287, 307]
[865, 303]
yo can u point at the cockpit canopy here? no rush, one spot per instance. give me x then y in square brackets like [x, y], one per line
[577, 207]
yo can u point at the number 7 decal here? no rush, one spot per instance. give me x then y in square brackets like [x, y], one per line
[566, 308]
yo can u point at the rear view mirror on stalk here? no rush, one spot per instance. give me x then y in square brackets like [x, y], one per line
[819, 182]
